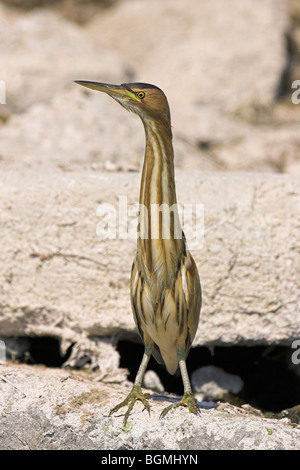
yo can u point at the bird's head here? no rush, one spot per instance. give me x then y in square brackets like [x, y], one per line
[148, 101]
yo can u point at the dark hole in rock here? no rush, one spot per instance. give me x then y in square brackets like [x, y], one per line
[36, 350]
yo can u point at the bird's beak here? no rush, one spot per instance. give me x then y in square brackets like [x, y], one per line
[115, 91]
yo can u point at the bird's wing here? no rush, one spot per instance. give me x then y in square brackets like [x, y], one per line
[171, 320]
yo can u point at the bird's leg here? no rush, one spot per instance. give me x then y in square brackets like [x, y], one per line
[136, 391]
[188, 399]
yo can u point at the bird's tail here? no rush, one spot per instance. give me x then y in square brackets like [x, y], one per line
[171, 367]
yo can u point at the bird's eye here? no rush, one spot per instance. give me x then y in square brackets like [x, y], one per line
[140, 94]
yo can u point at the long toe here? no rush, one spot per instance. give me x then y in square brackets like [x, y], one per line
[134, 395]
[187, 400]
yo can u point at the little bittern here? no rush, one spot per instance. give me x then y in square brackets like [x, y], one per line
[165, 286]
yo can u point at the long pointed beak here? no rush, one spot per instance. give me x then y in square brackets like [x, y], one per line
[115, 91]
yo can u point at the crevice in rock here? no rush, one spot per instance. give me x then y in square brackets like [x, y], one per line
[43, 350]
[271, 381]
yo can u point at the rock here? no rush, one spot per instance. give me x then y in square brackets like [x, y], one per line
[59, 278]
[100, 355]
[49, 137]
[100, 135]
[217, 125]
[48, 409]
[49, 53]
[209, 42]
[227, 72]
[292, 413]
[79, 128]
[75, 11]
[152, 381]
[213, 383]
[16, 349]
[295, 11]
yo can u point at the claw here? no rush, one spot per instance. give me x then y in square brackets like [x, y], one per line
[134, 395]
[187, 400]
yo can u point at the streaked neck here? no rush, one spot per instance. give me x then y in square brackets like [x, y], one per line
[158, 184]
[163, 243]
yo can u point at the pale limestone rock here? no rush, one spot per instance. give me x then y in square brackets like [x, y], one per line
[53, 409]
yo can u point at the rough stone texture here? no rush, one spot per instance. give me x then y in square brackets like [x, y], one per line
[222, 70]
[222, 120]
[209, 42]
[53, 409]
[45, 136]
[214, 383]
[59, 278]
[48, 53]
[65, 150]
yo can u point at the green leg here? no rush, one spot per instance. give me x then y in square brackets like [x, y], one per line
[188, 399]
[136, 391]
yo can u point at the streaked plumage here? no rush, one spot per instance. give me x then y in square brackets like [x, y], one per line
[165, 286]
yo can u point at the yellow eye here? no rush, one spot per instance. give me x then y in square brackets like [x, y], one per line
[140, 94]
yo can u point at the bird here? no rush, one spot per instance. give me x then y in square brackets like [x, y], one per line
[165, 287]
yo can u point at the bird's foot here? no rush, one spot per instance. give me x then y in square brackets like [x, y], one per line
[187, 400]
[135, 394]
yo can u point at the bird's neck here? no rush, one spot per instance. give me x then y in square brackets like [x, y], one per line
[158, 183]
[160, 243]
